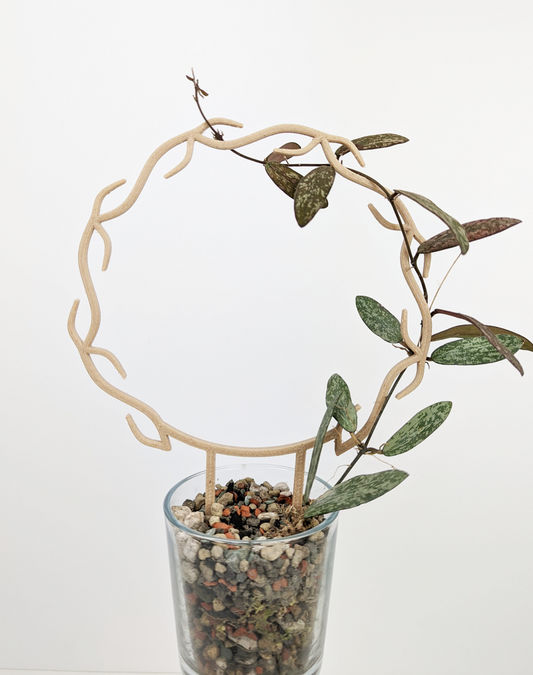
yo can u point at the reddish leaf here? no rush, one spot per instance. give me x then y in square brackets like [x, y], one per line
[476, 229]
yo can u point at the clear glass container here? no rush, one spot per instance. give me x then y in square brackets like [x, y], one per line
[254, 607]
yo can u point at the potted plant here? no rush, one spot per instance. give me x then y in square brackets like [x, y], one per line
[252, 553]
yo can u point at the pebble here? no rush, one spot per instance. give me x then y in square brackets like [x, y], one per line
[268, 516]
[211, 652]
[218, 605]
[244, 565]
[217, 552]
[225, 499]
[180, 512]
[272, 552]
[191, 549]
[204, 553]
[217, 509]
[220, 568]
[194, 520]
[214, 519]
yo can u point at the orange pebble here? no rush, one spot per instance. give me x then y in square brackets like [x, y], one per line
[259, 670]
[221, 526]
[252, 574]
[226, 512]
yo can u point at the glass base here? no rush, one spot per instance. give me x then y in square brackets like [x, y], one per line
[187, 670]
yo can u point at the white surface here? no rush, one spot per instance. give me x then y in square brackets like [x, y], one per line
[435, 577]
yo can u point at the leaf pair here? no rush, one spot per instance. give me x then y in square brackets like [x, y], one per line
[488, 347]
[309, 192]
[339, 406]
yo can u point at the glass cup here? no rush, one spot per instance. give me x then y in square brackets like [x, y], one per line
[254, 607]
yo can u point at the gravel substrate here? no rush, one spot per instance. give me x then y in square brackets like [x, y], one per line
[249, 609]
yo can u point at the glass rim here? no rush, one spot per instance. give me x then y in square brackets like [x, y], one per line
[328, 520]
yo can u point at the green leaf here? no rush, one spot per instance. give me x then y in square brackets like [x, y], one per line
[475, 229]
[317, 447]
[279, 156]
[311, 193]
[419, 427]
[474, 351]
[355, 491]
[454, 225]
[378, 319]
[466, 330]
[286, 179]
[344, 411]
[372, 143]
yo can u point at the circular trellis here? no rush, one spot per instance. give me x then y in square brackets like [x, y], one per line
[418, 350]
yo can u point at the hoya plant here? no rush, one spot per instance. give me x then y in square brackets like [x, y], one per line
[308, 187]
[469, 343]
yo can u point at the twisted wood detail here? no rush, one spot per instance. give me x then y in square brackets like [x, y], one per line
[166, 431]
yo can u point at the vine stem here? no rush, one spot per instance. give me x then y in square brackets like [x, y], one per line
[364, 446]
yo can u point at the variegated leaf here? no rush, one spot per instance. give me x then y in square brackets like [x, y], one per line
[474, 351]
[419, 427]
[284, 177]
[378, 319]
[344, 411]
[317, 447]
[475, 229]
[372, 143]
[467, 330]
[454, 225]
[311, 193]
[355, 491]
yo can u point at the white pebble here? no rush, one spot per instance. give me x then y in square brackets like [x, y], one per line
[216, 509]
[213, 520]
[271, 552]
[317, 536]
[217, 552]
[193, 520]
[282, 487]
[191, 549]
[180, 512]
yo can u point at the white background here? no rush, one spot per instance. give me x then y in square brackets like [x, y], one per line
[229, 319]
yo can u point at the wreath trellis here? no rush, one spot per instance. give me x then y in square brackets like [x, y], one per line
[416, 349]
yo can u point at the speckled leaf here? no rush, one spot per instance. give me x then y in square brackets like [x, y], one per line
[356, 491]
[372, 143]
[317, 447]
[475, 229]
[454, 225]
[279, 156]
[378, 319]
[311, 193]
[474, 351]
[419, 427]
[286, 179]
[344, 411]
[498, 345]
[466, 330]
